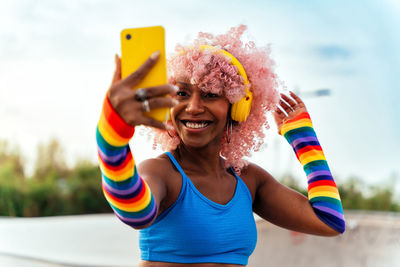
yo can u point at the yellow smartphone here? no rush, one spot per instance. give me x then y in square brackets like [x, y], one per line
[137, 44]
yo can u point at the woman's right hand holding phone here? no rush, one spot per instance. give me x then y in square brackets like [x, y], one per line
[124, 101]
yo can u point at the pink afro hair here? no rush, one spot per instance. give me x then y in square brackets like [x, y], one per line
[212, 72]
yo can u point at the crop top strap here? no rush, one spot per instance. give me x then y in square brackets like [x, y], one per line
[240, 181]
[176, 164]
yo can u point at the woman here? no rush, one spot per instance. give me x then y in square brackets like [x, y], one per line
[195, 203]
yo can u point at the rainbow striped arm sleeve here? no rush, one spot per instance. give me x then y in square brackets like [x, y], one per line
[322, 191]
[126, 192]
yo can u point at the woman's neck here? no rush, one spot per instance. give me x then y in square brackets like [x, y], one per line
[205, 159]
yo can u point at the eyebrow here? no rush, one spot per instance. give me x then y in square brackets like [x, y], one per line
[183, 83]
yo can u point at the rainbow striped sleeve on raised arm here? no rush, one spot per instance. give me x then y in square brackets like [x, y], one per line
[322, 191]
[126, 192]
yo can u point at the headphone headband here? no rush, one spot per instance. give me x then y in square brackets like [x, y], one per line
[241, 109]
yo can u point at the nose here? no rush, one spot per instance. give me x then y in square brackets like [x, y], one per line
[195, 104]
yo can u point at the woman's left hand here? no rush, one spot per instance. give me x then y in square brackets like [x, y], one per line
[288, 108]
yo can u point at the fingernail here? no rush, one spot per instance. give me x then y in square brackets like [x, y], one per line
[176, 87]
[155, 55]
[176, 102]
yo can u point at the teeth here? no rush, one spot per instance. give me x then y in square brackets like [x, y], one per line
[196, 125]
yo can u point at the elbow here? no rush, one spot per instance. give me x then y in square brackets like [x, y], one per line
[140, 222]
[333, 233]
[143, 226]
[334, 225]
[138, 226]
[335, 230]
[328, 231]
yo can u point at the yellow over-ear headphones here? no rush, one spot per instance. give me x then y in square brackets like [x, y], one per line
[241, 109]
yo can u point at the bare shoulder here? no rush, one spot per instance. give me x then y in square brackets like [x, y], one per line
[160, 171]
[157, 174]
[255, 177]
[163, 179]
[155, 167]
[256, 174]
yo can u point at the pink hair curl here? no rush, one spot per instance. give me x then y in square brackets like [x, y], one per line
[212, 72]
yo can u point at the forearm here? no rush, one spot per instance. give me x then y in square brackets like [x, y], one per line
[126, 192]
[322, 190]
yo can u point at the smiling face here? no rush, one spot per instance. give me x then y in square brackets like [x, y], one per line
[200, 117]
[215, 72]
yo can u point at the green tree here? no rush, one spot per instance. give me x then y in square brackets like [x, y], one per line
[55, 189]
[50, 162]
[291, 181]
[351, 193]
[11, 180]
[84, 189]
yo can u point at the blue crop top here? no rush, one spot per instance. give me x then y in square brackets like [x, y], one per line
[197, 230]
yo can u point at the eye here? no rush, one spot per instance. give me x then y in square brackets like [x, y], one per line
[181, 93]
[211, 95]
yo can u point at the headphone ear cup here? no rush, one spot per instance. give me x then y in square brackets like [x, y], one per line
[241, 109]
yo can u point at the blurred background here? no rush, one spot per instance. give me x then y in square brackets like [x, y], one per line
[57, 61]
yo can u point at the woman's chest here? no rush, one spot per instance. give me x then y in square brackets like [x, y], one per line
[204, 227]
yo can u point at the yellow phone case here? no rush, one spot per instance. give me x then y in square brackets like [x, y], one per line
[137, 45]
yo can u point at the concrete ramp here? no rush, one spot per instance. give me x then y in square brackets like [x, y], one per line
[371, 239]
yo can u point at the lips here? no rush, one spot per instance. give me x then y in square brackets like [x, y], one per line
[196, 124]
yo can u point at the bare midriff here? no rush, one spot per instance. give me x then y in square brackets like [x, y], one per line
[170, 264]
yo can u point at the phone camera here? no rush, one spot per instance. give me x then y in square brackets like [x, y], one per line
[128, 37]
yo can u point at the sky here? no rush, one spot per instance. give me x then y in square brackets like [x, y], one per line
[57, 60]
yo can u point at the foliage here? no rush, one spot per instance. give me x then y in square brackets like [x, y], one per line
[50, 160]
[373, 197]
[56, 189]
[355, 194]
[53, 189]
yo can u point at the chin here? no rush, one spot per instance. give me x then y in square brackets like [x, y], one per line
[195, 143]
[200, 142]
